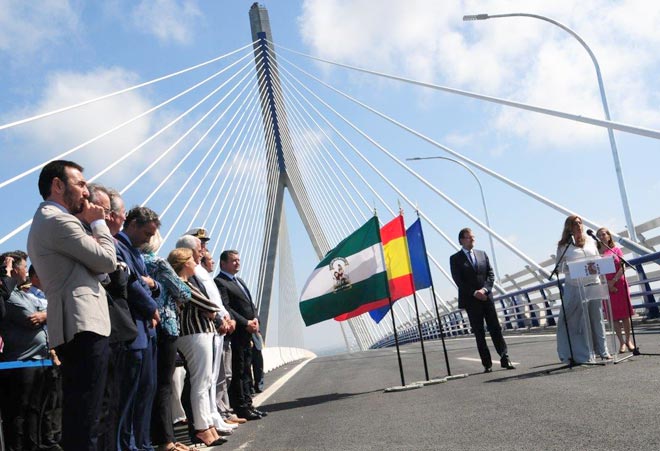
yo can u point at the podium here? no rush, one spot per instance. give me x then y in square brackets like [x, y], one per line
[587, 275]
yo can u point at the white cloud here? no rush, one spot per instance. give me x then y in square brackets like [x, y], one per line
[51, 136]
[168, 20]
[522, 59]
[28, 27]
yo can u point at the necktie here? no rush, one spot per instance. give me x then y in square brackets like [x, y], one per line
[473, 262]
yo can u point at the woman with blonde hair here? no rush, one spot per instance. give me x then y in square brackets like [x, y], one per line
[575, 245]
[196, 344]
[617, 284]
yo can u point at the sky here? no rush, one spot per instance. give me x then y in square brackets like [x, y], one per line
[57, 53]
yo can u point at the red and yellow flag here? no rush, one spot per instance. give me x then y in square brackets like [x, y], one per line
[397, 263]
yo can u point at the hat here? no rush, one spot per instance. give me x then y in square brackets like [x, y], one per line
[198, 232]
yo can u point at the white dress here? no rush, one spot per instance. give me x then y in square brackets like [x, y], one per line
[582, 316]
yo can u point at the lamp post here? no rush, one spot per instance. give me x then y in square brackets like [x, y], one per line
[483, 201]
[615, 153]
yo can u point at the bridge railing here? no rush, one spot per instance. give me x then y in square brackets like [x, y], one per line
[537, 306]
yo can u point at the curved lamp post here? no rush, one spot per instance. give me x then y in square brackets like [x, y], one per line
[615, 153]
[483, 201]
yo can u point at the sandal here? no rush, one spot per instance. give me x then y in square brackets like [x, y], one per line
[178, 446]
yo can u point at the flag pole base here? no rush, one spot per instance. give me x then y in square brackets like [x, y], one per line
[441, 380]
[398, 388]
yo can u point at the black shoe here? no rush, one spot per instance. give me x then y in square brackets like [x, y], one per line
[247, 414]
[198, 441]
[488, 369]
[506, 363]
[258, 390]
[259, 412]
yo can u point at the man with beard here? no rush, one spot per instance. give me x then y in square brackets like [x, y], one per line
[68, 261]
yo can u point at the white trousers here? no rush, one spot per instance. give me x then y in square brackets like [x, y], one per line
[198, 351]
[177, 387]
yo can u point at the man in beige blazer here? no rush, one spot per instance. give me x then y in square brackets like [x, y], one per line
[70, 264]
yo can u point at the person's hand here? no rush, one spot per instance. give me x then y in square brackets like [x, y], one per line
[231, 325]
[149, 281]
[252, 326]
[91, 212]
[481, 295]
[37, 318]
[9, 265]
[155, 319]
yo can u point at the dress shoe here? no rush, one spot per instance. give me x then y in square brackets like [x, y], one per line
[488, 369]
[248, 415]
[208, 438]
[234, 419]
[258, 390]
[506, 363]
[261, 413]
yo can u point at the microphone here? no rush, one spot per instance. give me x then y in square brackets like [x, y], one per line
[593, 235]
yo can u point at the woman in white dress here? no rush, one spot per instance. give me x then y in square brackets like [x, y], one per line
[580, 320]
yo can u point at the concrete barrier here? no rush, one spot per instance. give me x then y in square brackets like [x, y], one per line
[275, 357]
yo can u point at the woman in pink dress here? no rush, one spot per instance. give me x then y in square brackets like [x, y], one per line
[619, 292]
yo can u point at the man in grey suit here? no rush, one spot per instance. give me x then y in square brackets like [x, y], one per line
[68, 261]
[471, 270]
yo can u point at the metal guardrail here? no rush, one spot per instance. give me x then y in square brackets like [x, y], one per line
[535, 307]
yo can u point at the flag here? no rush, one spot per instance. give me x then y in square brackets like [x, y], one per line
[350, 275]
[399, 271]
[418, 259]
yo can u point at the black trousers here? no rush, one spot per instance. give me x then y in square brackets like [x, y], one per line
[111, 397]
[31, 404]
[257, 369]
[241, 362]
[162, 430]
[481, 311]
[84, 372]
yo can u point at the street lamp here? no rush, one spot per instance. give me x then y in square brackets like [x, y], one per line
[615, 153]
[483, 201]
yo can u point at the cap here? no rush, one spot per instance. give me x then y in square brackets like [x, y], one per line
[198, 232]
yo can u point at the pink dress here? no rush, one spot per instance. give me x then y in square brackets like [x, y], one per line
[621, 307]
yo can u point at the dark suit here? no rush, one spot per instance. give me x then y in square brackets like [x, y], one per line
[139, 385]
[238, 301]
[470, 279]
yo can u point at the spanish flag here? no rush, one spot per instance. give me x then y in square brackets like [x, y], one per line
[397, 264]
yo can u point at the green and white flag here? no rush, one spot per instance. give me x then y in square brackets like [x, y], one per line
[350, 275]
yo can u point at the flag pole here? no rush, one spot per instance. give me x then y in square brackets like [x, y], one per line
[389, 299]
[421, 337]
[419, 323]
[396, 342]
[437, 310]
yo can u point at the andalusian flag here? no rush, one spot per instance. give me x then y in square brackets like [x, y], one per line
[399, 271]
[350, 275]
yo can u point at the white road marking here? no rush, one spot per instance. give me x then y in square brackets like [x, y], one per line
[262, 397]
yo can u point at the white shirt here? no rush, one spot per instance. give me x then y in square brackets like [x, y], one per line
[211, 289]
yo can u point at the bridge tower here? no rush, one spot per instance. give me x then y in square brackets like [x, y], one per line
[282, 165]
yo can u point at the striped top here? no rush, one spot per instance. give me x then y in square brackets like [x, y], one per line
[195, 315]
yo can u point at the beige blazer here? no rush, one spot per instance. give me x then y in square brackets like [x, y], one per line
[68, 262]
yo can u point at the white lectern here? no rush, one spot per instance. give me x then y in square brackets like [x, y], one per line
[589, 274]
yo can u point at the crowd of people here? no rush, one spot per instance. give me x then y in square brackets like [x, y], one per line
[138, 342]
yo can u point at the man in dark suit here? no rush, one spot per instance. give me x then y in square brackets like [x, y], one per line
[471, 270]
[140, 374]
[236, 296]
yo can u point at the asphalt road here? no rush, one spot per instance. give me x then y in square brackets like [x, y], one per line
[338, 402]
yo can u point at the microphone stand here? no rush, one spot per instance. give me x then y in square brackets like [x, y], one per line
[624, 263]
[555, 271]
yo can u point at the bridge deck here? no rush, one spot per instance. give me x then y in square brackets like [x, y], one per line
[337, 403]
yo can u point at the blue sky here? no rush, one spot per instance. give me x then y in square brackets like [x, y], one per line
[56, 53]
